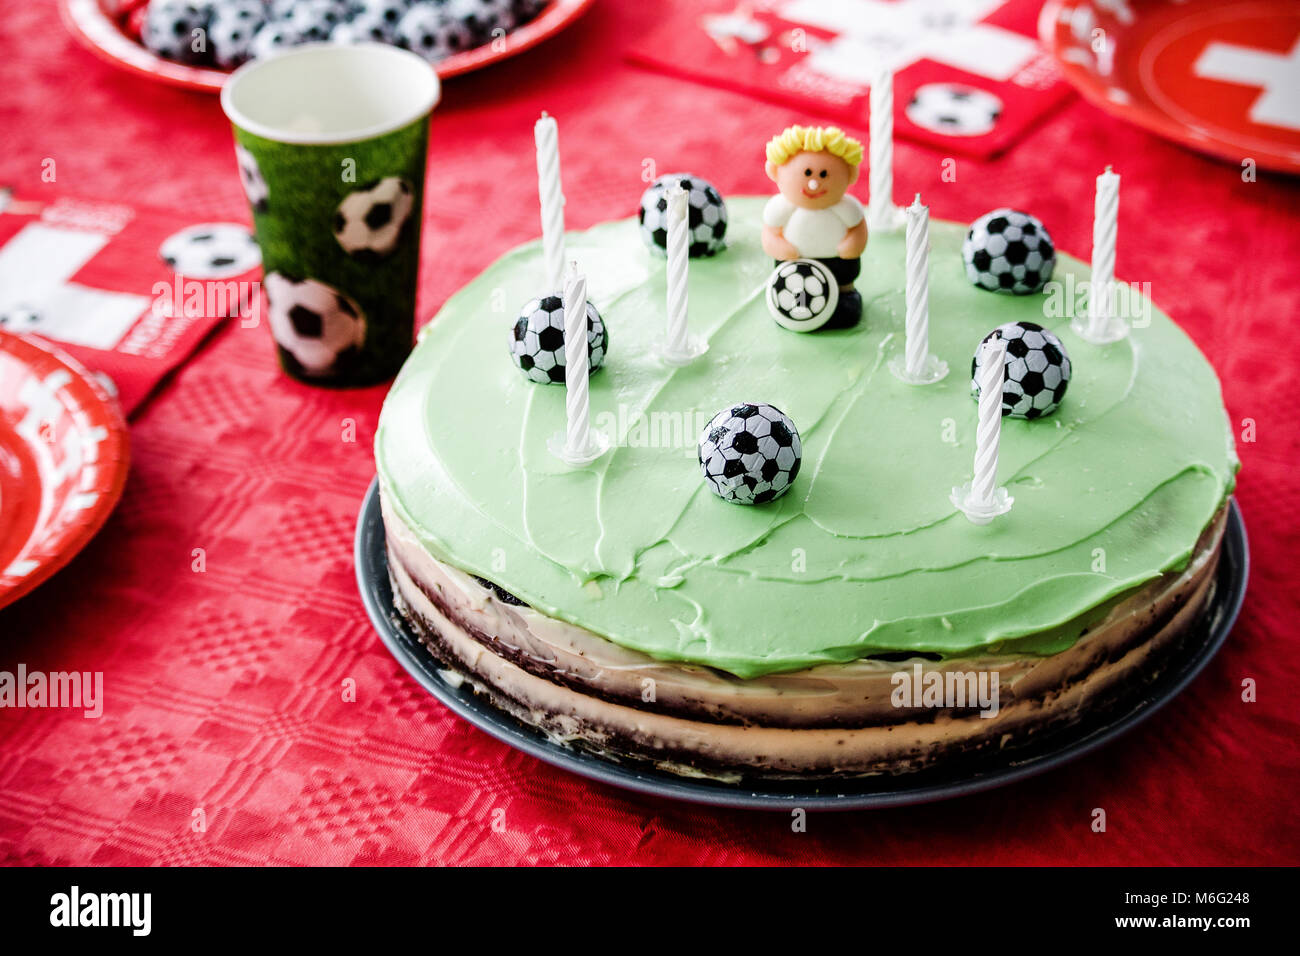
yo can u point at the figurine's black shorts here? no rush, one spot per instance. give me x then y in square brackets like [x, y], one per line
[844, 270]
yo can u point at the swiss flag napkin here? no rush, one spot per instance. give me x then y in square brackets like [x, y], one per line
[89, 275]
[969, 76]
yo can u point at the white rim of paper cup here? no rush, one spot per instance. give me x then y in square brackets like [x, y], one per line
[260, 96]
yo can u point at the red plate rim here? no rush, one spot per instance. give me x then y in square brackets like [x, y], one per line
[98, 32]
[1050, 26]
[113, 461]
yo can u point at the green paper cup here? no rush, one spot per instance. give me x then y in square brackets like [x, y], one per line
[331, 142]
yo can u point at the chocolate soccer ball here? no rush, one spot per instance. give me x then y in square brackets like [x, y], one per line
[1037, 369]
[706, 215]
[427, 29]
[1008, 251]
[750, 453]
[176, 29]
[233, 27]
[537, 340]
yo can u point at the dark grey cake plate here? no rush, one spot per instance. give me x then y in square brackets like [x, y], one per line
[938, 783]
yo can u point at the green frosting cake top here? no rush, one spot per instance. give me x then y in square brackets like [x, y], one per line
[865, 554]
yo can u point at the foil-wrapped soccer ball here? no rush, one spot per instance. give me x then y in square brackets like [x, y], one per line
[170, 30]
[537, 340]
[1037, 369]
[428, 30]
[232, 30]
[1008, 251]
[706, 215]
[954, 109]
[750, 453]
[368, 222]
[802, 295]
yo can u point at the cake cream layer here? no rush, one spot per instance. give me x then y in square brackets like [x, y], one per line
[1111, 664]
[866, 554]
[854, 694]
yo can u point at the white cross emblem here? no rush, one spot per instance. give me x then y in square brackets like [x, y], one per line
[36, 269]
[1277, 74]
[876, 35]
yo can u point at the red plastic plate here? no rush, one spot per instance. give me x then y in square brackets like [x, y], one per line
[63, 461]
[100, 33]
[1220, 76]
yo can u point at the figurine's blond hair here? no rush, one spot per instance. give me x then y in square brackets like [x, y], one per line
[813, 139]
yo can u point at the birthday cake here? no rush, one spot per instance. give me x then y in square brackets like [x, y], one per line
[830, 605]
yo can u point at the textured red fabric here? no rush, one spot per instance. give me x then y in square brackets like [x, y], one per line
[223, 688]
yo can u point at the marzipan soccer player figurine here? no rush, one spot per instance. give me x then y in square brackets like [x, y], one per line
[813, 217]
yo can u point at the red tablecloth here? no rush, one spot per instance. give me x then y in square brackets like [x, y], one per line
[224, 688]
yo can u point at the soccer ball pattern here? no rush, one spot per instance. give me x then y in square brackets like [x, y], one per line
[429, 30]
[537, 340]
[312, 21]
[802, 295]
[169, 26]
[250, 174]
[315, 324]
[750, 453]
[213, 250]
[1037, 369]
[706, 215]
[274, 37]
[234, 25]
[20, 318]
[233, 31]
[365, 28]
[368, 222]
[954, 110]
[1008, 251]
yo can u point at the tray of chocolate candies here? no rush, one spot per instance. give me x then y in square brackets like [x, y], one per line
[195, 44]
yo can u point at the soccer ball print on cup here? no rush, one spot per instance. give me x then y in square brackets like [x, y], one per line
[334, 172]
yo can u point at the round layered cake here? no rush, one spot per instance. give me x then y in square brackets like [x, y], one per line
[859, 623]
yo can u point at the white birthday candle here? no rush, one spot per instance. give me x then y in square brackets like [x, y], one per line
[918, 287]
[678, 261]
[881, 203]
[989, 430]
[546, 134]
[577, 399]
[1105, 224]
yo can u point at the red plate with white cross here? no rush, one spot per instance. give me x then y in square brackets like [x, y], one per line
[63, 461]
[1221, 76]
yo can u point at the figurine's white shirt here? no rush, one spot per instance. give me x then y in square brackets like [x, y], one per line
[816, 233]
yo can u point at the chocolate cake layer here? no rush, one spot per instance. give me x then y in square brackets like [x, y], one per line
[825, 720]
